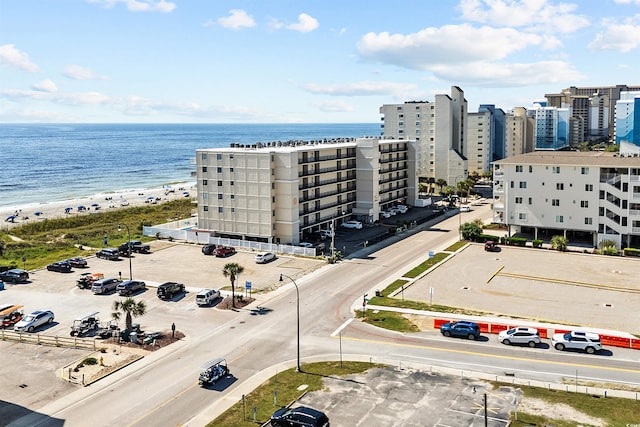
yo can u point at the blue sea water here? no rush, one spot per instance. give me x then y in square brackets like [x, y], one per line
[53, 162]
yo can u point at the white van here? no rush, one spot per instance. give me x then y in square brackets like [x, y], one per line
[207, 296]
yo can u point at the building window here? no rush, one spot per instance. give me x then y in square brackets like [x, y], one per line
[203, 156]
[530, 200]
[230, 169]
[219, 170]
[204, 182]
[584, 171]
[559, 186]
[555, 202]
[219, 196]
[233, 196]
[530, 168]
[588, 221]
[511, 184]
[559, 218]
[230, 182]
[218, 156]
[518, 168]
[584, 203]
[518, 200]
[233, 210]
[204, 169]
[219, 183]
[205, 208]
[220, 209]
[588, 187]
[523, 184]
[522, 216]
[555, 169]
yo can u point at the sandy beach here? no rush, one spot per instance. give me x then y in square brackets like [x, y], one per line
[13, 216]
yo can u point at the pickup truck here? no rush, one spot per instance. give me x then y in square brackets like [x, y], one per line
[134, 246]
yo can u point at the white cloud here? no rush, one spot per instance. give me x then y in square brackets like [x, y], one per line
[332, 106]
[12, 57]
[448, 44]
[494, 74]
[139, 5]
[627, 1]
[45, 86]
[237, 19]
[305, 24]
[76, 72]
[622, 37]
[535, 15]
[365, 88]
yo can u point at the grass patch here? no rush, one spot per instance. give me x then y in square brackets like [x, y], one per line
[415, 272]
[418, 305]
[389, 320]
[397, 284]
[457, 245]
[612, 410]
[286, 384]
[51, 240]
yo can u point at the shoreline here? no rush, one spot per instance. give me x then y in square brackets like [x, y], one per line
[100, 202]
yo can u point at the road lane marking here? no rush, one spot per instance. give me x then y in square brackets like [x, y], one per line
[341, 327]
[497, 356]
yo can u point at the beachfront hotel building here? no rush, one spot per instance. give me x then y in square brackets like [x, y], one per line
[587, 197]
[551, 128]
[628, 123]
[438, 127]
[275, 192]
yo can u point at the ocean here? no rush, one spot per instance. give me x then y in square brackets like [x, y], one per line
[54, 162]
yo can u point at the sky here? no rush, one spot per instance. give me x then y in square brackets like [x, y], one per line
[300, 61]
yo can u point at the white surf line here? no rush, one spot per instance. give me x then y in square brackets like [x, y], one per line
[341, 327]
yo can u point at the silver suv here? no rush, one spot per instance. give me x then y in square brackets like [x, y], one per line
[520, 335]
[586, 341]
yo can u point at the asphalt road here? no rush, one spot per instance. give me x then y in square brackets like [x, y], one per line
[162, 389]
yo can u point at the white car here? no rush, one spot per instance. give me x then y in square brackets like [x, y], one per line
[465, 208]
[401, 209]
[385, 214]
[265, 257]
[520, 335]
[586, 341]
[326, 233]
[356, 225]
[34, 320]
[305, 245]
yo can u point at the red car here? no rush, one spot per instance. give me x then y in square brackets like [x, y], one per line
[223, 251]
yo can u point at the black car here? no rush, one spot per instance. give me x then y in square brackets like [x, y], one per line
[60, 267]
[109, 253]
[14, 275]
[168, 289]
[137, 246]
[208, 249]
[301, 416]
[130, 286]
[77, 262]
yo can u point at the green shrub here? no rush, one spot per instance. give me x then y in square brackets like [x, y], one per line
[486, 237]
[536, 243]
[90, 361]
[631, 252]
[517, 241]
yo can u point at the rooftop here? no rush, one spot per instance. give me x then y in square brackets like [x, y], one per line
[573, 158]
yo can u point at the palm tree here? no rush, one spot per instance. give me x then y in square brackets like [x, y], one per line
[431, 180]
[232, 270]
[130, 308]
[441, 183]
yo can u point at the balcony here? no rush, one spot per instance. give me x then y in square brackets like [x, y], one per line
[391, 159]
[302, 161]
[313, 184]
[318, 171]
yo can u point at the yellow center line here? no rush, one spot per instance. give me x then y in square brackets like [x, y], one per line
[497, 356]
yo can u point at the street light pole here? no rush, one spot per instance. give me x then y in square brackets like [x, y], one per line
[459, 207]
[128, 250]
[298, 369]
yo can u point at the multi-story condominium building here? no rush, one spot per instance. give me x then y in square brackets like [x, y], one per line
[519, 132]
[275, 192]
[551, 128]
[438, 128]
[479, 137]
[498, 121]
[585, 196]
[628, 123]
[601, 111]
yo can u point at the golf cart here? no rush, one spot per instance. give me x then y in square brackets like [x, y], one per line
[212, 371]
[108, 329]
[84, 324]
[10, 314]
[86, 279]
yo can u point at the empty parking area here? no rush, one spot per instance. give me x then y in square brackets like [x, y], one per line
[404, 397]
[573, 288]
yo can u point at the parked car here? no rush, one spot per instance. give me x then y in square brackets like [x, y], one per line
[60, 267]
[520, 335]
[129, 287]
[491, 246]
[207, 296]
[326, 233]
[401, 208]
[356, 225]
[385, 214]
[315, 236]
[137, 246]
[15, 275]
[109, 253]
[223, 251]
[461, 329]
[34, 320]
[77, 262]
[208, 249]
[465, 208]
[306, 245]
[586, 341]
[302, 416]
[104, 286]
[168, 290]
[265, 257]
